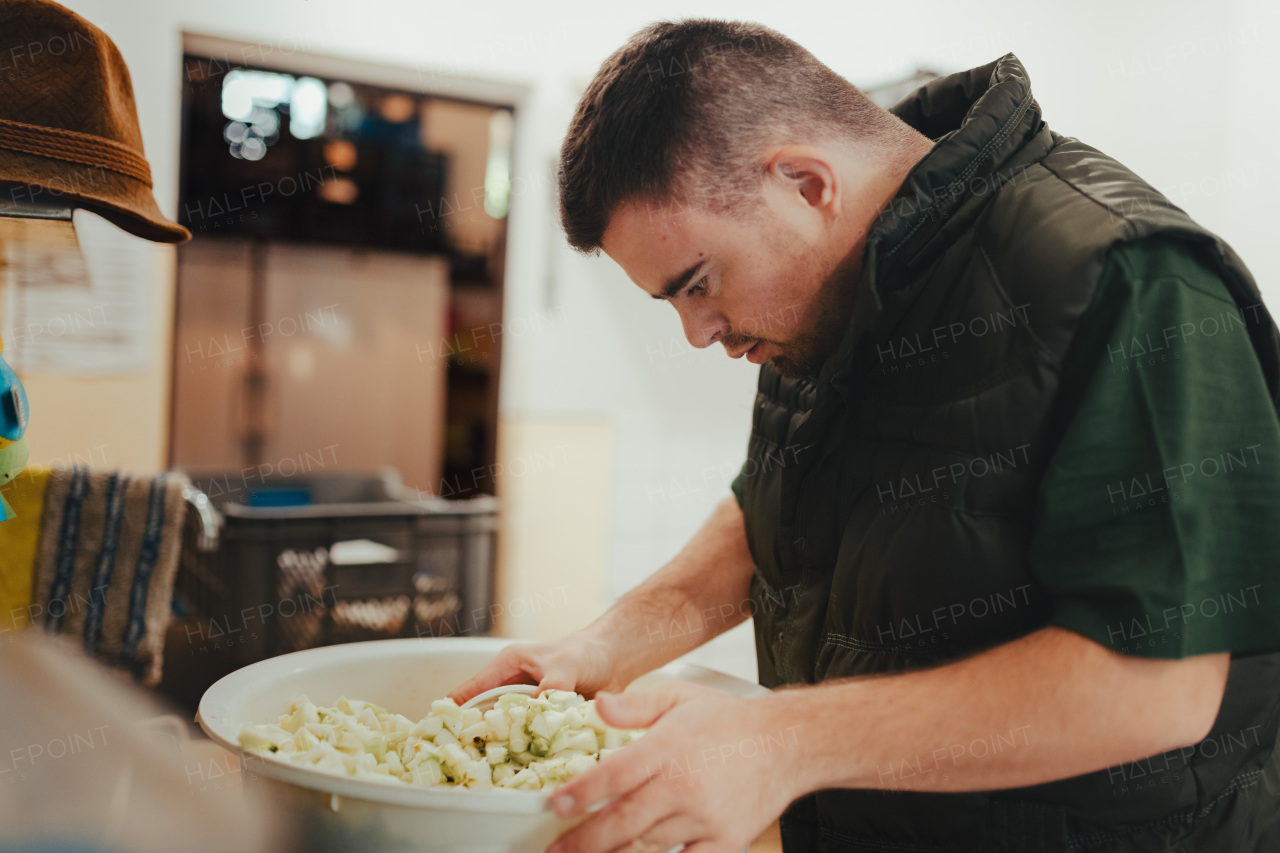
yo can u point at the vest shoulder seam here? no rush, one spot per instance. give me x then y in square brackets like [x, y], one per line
[1130, 229]
[1125, 261]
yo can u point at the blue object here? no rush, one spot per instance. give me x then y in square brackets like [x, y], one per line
[279, 496]
[13, 403]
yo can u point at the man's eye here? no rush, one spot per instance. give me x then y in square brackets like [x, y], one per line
[697, 288]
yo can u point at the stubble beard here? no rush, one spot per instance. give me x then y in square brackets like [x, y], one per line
[824, 325]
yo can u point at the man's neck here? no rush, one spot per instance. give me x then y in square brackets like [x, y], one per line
[874, 187]
[872, 198]
[871, 190]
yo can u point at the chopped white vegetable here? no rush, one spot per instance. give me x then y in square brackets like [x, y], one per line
[523, 743]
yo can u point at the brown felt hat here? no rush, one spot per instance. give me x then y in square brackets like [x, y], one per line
[68, 123]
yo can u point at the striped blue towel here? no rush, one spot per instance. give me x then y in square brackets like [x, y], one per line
[109, 547]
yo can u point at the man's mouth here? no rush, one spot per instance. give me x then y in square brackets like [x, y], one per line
[754, 351]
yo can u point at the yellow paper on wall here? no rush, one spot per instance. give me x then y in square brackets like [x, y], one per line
[19, 538]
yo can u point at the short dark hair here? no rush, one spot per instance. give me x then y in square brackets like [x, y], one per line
[683, 110]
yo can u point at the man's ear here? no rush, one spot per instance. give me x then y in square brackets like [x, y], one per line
[806, 174]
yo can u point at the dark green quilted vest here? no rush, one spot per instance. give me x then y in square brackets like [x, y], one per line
[889, 501]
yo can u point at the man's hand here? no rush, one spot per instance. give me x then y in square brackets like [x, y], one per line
[711, 772]
[705, 590]
[575, 662]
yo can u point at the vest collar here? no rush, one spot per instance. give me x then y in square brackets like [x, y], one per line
[979, 120]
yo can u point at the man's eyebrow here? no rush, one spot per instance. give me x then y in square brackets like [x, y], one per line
[677, 282]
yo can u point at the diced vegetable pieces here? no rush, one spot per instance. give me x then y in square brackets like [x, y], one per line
[593, 719]
[554, 721]
[252, 738]
[477, 730]
[376, 746]
[428, 773]
[522, 743]
[499, 725]
[579, 764]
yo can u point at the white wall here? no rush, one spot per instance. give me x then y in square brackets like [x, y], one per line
[1176, 90]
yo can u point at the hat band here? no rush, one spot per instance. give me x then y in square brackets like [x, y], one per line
[74, 147]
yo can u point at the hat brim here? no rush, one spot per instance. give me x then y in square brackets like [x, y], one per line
[122, 200]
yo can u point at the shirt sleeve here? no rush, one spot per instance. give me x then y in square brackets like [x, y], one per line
[1157, 530]
[737, 484]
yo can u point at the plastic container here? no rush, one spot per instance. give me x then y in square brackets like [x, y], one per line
[290, 563]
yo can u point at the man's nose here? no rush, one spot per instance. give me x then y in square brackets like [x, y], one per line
[703, 326]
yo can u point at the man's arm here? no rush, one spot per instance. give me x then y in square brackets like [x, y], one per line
[1048, 706]
[701, 593]
[698, 595]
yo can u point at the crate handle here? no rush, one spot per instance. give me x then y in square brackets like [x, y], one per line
[198, 501]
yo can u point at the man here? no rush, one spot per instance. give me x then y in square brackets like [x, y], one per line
[1006, 526]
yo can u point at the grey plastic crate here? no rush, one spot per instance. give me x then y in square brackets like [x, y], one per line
[257, 581]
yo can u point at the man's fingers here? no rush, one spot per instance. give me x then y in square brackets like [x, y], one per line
[627, 770]
[641, 709]
[712, 847]
[505, 669]
[669, 834]
[616, 775]
[555, 680]
[614, 827]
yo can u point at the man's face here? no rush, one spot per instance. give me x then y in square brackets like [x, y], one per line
[768, 284]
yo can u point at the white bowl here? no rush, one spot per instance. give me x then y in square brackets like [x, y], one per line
[404, 676]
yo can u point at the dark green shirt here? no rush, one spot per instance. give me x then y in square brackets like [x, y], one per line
[1158, 523]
